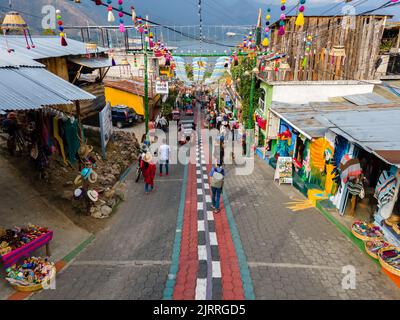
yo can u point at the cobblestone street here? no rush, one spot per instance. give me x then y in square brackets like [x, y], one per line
[290, 255]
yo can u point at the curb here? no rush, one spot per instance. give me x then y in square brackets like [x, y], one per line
[61, 264]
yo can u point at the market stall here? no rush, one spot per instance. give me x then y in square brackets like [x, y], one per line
[19, 243]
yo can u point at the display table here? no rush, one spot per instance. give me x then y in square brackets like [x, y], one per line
[14, 256]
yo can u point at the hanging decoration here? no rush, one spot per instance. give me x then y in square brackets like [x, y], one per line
[13, 21]
[282, 19]
[139, 22]
[133, 12]
[98, 2]
[61, 28]
[121, 15]
[300, 17]
[110, 17]
[308, 50]
[266, 35]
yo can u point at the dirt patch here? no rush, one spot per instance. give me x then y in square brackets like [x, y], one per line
[57, 185]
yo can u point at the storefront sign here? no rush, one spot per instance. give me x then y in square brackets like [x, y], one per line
[106, 127]
[162, 87]
[284, 170]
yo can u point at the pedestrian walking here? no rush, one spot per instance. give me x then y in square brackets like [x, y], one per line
[217, 175]
[149, 172]
[164, 151]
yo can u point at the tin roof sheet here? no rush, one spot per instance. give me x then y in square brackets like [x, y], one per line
[47, 47]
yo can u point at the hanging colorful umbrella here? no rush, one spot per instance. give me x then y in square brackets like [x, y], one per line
[13, 22]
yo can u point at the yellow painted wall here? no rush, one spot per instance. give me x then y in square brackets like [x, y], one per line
[119, 97]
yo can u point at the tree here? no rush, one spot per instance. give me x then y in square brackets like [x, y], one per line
[244, 84]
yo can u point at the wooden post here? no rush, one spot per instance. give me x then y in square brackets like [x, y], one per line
[78, 114]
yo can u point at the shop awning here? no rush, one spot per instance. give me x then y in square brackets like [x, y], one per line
[92, 63]
[33, 88]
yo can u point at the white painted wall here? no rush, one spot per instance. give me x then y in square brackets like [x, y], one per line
[316, 92]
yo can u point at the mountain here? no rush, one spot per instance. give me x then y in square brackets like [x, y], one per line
[171, 12]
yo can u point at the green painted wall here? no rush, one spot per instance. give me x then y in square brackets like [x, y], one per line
[268, 97]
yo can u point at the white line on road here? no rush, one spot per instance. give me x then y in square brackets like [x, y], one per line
[291, 265]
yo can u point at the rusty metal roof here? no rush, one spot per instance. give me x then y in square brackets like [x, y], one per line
[131, 86]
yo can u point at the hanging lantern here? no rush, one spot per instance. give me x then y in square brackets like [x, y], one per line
[125, 67]
[13, 22]
[133, 12]
[300, 16]
[110, 17]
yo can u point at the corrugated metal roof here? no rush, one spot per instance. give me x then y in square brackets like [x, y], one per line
[47, 47]
[56, 84]
[20, 93]
[93, 63]
[374, 130]
[366, 99]
[10, 60]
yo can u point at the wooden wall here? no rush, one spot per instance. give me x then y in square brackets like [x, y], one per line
[361, 45]
[58, 66]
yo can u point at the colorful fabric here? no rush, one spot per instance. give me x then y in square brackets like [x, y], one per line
[72, 140]
[25, 251]
[350, 168]
[318, 149]
[356, 189]
[385, 188]
[58, 138]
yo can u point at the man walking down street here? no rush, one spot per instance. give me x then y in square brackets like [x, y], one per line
[217, 175]
[164, 151]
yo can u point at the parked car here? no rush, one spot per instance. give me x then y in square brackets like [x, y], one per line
[123, 116]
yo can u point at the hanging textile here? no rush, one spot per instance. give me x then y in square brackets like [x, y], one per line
[356, 189]
[385, 189]
[72, 140]
[350, 168]
[58, 138]
[341, 147]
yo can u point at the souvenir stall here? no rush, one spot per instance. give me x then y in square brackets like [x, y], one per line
[17, 245]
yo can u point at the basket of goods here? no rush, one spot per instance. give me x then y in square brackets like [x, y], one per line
[396, 228]
[389, 259]
[373, 246]
[32, 275]
[366, 231]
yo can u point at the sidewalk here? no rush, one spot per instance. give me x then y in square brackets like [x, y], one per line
[296, 255]
[20, 205]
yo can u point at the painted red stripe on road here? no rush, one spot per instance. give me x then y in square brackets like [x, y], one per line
[185, 287]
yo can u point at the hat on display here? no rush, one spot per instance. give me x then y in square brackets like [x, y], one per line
[84, 150]
[86, 173]
[78, 193]
[78, 180]
[92, 177]
[93, 195]
[147, 157]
